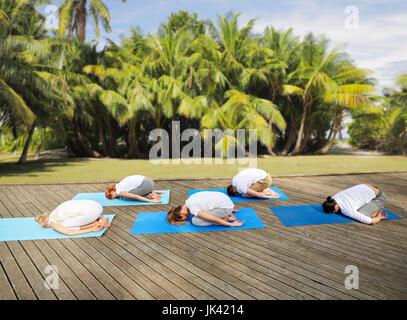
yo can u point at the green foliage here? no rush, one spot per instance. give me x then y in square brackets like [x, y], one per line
[384, 127]
[294, 91]
[184, 20]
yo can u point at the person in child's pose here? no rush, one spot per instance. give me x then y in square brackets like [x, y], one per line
[74, 217]
[206, 208]
[362, 202]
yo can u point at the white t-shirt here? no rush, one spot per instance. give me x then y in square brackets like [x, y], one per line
[129, 183]
[245, 178]
[207, 201]
[73, 208]
[352, 199]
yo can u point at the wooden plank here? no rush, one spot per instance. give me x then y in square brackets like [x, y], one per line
[16, 277]
[288, 282]
[31, 273]
[113, 278]
[174, 272]
[6, 290]
[62, 292]
[111, 251]
[273, 263]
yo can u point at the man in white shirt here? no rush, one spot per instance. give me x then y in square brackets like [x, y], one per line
[362, 202]
[252, 182]
[206, 208]
[136, 187]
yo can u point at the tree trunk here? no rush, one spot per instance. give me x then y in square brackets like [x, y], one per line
[300, 132]
[307, 136]
[289, 134]
[331, 139]
[289, 137]
[133, 143]
[81, 16]
[83, 143]
[112, 139]
[102, 137]
[23, 157]
[270, 151]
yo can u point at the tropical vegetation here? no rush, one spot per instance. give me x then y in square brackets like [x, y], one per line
[104, 103]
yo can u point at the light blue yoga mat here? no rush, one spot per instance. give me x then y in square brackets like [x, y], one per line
[101, 198]
[239, 198]
[313, 214]
[16, 229]
[156, 222]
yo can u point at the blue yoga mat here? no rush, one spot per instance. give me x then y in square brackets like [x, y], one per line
[239, 198]
[16, 229]
[156, 222]
[101, 198]
[313, 214]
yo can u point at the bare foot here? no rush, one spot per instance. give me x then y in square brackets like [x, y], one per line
[235, 210]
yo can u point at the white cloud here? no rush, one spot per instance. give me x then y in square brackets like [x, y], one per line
[380, 42]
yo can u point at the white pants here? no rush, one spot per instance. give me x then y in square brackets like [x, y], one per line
[90, 212]
[218, 212]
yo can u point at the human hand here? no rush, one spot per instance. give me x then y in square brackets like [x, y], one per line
[96, 228]
[236, 223]
[231, 217]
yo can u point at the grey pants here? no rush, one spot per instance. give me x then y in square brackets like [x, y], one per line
[146, 186]
[373, 206]
[218, 212]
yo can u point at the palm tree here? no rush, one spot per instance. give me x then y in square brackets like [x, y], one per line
[396, 114]
[240, 111]
[29, 94]
[126, 95]
[73, 16]
[319, 82]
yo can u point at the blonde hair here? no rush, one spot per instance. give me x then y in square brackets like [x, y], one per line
[41, 219]
[174, 216]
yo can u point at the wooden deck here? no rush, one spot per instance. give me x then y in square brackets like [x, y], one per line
[277, 262]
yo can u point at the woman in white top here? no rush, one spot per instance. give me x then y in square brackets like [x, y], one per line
[135, 187]
[362, 202]
[252, 182]
[206, 208]
[75, 217]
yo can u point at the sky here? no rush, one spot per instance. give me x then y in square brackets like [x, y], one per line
[374, 32]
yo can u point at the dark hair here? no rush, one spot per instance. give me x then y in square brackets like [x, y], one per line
[174, 216]
[329, 205]
[231, 192]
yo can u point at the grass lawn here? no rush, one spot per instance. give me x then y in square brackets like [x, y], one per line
[63, 170]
